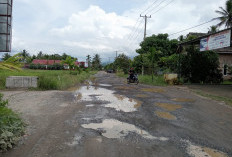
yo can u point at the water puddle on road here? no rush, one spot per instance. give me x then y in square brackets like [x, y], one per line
[198, 151]
[124, 88]
[76, 140]
[153, 90]
[105, 85]
[182, 100]
[165, 115]
[142, 96]
[111, 100]
[169, 107]
[112, 128]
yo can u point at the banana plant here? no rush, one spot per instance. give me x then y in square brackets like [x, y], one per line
[12, 63]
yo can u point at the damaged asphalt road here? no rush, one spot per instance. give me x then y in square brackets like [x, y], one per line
[108, 118]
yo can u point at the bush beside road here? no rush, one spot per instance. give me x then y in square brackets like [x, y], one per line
[48, 80]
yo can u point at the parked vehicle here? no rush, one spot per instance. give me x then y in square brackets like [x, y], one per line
[110, 71]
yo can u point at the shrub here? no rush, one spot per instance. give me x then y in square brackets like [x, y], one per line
[11, 126]
[199, 66]
[47, 83]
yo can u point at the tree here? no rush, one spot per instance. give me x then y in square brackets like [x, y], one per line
[161, 43]
[225, 17]
[70, 62]
[64, 56]
[40, 55]
[89, 60]
[153, 56]
[213, 29]
[199, 67]
[122, 62]
[96, 62]
[25, 56]
[6, 56]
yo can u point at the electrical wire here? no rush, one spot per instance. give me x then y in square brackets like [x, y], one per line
[163, 7]
[149, 7]
[191, 27]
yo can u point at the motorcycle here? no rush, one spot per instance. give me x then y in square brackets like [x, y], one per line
[134, 79]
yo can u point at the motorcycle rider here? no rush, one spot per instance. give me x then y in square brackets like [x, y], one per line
[131, 73]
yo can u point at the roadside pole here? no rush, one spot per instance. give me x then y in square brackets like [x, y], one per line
[145, 33]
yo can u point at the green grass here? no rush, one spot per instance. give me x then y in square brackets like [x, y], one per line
[227, 82]
[11, 126]
[147, 79]
[227, 100]
[48, 79]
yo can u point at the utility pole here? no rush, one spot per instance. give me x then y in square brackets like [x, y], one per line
[116, 54]
[145, 33]
[145, 28]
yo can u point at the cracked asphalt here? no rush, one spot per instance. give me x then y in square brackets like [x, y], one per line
[106, 117]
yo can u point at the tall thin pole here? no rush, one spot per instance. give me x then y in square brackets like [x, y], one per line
[145, 28]
[145, 33]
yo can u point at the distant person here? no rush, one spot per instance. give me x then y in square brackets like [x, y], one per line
[131, 73]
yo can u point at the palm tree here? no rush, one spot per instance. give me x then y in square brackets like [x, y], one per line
[225, 15]
[213, 29]
[70, 62]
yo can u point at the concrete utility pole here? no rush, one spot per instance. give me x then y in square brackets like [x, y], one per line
[145, 33]
[145, 28]
[116, 54]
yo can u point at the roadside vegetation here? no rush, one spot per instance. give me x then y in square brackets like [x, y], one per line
[158, 80]
[158, 55]
[49, 80]
[11, 126]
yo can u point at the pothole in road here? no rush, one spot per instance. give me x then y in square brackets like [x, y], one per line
[153, 90]
[76, 140]
[112, 128]
[183, 100]
[105, 85]
[124, 88]
[111, 100]
[198, 151]
[169, 107]
[165, 115]
[142, 96]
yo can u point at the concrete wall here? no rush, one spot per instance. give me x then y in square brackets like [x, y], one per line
[22, 82]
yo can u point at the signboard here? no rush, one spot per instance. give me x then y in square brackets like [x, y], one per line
[216, 41]
[5, 25]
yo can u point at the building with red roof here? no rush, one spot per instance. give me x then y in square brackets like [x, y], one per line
[52, 62]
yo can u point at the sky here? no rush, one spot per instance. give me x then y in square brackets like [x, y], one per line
[80, 28]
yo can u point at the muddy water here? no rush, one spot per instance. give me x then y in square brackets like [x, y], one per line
[165, 115]
[115, 129]
[169, 107]
[198, 151]
[111, 100]
[182, 100]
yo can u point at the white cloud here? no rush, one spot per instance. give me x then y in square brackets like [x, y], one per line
[79, 28]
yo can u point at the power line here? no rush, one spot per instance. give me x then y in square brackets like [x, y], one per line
[191, 27]
[163, 7]
[135, 29]
[149, 7]
[160, 3]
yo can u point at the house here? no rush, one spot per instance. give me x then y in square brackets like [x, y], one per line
[52, 62]
[225, 53]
